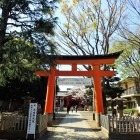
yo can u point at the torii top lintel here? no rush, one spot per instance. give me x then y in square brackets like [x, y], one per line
[88, 59]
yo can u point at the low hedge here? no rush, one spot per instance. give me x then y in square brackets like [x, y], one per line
[127, 111]
[132, 111]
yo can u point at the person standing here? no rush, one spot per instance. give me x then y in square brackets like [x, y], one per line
[68, 109]
[76, 105]
[69, 105]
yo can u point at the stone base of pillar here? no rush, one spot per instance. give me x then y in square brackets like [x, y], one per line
[97, 119]
[50, 116]
[93, 115]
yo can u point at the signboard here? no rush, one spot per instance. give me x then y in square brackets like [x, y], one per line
[32, 119]
[74, 81]
[62, 94]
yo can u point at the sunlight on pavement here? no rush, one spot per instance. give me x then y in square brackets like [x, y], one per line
[74, 127]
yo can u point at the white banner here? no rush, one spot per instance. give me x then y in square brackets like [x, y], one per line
[74, 81]
[32, 118]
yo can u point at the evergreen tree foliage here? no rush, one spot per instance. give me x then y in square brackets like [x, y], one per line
[26, 28]
[111, 87]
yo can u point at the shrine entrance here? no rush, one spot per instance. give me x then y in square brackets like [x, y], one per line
[94, 62]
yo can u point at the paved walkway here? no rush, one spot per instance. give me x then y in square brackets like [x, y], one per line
[75, 126]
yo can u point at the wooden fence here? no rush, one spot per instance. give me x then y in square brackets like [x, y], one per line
[15, 126]
[121, 128]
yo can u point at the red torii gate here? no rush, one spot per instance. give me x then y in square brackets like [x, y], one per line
[94, 61]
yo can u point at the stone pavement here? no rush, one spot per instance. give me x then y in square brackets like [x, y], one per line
[74, 126]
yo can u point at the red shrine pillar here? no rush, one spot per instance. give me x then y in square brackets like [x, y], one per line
[50, 96]
[98, 93]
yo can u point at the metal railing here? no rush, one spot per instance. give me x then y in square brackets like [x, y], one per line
[132, 90]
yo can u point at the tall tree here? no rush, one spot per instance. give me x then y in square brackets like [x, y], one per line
[129, 62]
[88, 25]
[25, 31]
[112, 87]
[19, 61]
[25, 16]
[130, 28]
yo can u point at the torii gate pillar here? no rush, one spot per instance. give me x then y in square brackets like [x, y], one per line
[97, 93]
[49, 105]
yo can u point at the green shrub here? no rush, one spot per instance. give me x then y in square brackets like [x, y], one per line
[127, 111]
[109, 108]
[133, 111]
